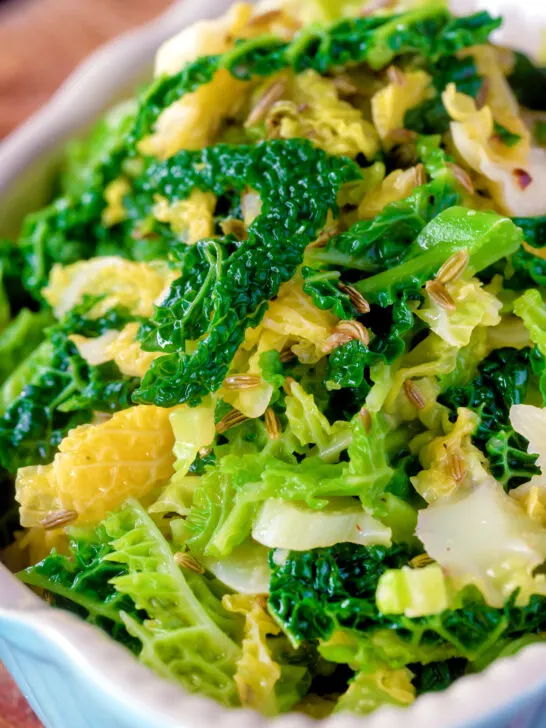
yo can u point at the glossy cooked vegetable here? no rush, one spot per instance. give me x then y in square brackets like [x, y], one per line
[273, 374]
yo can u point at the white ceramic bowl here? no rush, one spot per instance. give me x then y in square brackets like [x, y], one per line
[72, 674]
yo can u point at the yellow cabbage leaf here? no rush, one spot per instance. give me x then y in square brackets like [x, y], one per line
[530, 422]
[99, 466]
[392, 391]
[33, 545]
[120, 347]
[114, 212]
[127, 353]
[257, 673]
[204, 38]
[191, 219]
[252, 402]
[451, 461]
[532, 498]
[510, 332]
[395, 187]
[95, 351]
[500, 97]
[136, 286]
[314, 110]
[515, 176]
[193, 121]
[474, 306]
[292, 321]
[389, 105]
[297, 322]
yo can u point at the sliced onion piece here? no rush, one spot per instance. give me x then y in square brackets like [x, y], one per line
[286, 525]
[245, 570]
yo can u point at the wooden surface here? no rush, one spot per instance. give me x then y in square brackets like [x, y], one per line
[14, 710]
[41, 41]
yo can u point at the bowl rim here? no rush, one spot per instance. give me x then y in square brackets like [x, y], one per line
[507, 685]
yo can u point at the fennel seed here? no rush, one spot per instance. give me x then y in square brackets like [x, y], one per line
[454, 267]
[334, 341]
[186, 561]
[401, 136]
[276, 114]
[270, 96]
[237, 382]
[232, 419]
[440, 295]
[366, 419]
[344, 332]
[483, 94]
[420, 174]
[396, 76]
[324, 237]
[344, 86]
[414, 395]
[286, 356]
[272, 424]
[419, 562]
[58, 519]
[287, 386]
[462, 177]
[355, 330]
[357, 299]
[457, 465]
[267, 17]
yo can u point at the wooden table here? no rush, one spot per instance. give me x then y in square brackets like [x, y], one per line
[14, 709]
[41, 41]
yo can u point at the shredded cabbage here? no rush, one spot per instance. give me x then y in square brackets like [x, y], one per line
[389, 105]
[473, 307]
[451, 461]
[257, 672]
